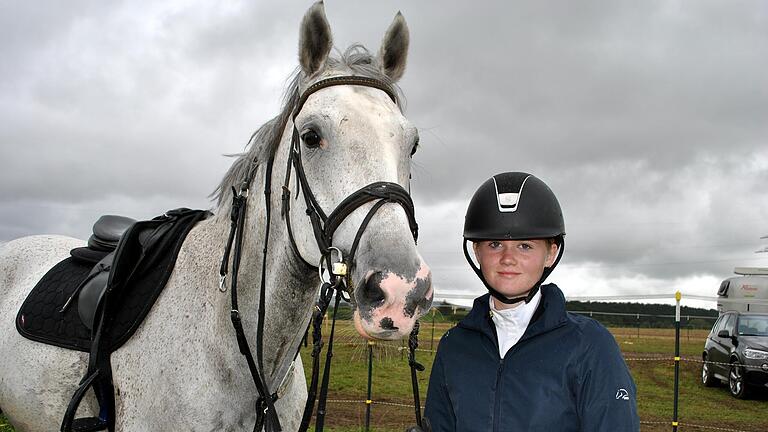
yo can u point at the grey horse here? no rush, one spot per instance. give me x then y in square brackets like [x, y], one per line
[182, 369]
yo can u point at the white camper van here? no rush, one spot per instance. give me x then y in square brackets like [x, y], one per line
[747, 292]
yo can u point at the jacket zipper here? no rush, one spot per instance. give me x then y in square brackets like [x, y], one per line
[497, 396]
[494, 339]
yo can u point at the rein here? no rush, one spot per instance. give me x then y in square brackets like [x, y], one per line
[266, 416]
[339, 281]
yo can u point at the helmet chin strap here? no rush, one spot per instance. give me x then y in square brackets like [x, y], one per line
[528, 297]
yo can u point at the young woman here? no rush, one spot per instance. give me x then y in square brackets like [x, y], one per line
[519, 361]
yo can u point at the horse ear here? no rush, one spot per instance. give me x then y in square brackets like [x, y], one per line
[315, 41]
[394, 48]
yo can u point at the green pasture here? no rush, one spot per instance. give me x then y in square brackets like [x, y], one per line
[4, 426]
[649, 354]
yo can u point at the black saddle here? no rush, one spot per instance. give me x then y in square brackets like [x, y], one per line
[114, 289]
[108, 230]
[106, 234]
[100, 251]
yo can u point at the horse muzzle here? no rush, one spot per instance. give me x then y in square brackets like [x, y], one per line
[388, 304]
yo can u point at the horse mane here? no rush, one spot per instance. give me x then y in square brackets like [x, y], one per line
[355, 60]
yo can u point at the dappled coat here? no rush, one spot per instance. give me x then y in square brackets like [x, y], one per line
[565, 374]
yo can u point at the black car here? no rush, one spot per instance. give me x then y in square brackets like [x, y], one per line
[736, 352]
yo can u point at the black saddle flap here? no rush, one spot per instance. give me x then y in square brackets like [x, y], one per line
[91, 293]
[144, 261]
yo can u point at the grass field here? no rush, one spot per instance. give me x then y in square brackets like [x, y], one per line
[649, 354]
[4, 426]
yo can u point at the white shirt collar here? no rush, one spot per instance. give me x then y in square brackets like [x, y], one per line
[511, 323]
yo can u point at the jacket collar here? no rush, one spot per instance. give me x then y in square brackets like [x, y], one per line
[549, 315]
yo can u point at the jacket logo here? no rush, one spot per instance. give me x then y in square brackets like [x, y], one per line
[622, 394]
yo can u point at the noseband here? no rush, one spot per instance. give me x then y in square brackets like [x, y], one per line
[323, 228]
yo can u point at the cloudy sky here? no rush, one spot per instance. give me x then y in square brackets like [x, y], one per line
[647, 118]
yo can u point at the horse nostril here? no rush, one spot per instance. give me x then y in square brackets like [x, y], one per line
[372, 292]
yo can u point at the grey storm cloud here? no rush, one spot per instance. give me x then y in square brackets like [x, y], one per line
[646, 118]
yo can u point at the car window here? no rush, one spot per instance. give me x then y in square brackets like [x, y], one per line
[730, 324]
[724, 322]
[718, 324]
[753, 325]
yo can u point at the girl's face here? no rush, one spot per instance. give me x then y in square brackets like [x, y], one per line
[512, 267]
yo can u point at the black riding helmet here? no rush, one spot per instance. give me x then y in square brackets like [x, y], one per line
[514, 206]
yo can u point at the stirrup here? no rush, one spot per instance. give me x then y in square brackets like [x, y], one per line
[70, 423]
[89, 424]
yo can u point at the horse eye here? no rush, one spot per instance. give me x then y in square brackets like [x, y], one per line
[311, 139]
[415, 147]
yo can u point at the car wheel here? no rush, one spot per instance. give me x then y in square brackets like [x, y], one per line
[707, 378]
[736, 383]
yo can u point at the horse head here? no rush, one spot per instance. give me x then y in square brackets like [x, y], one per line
[348, 137]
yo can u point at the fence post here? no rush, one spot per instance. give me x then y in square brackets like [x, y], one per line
[432, 341]
[369, 399]
[677, 358]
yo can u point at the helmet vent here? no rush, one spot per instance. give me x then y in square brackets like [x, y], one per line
[508, 201]
[508, 193]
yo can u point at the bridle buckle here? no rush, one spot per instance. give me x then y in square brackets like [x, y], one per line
[338, 268]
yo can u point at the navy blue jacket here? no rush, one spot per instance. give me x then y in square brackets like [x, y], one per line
[565, 374]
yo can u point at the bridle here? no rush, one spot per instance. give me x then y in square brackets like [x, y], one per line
[323, 227]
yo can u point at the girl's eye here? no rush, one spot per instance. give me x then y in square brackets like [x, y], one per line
[311, 139]
[525, 246]
[494, 245]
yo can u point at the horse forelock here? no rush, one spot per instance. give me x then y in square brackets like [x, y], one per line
[263, 143]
